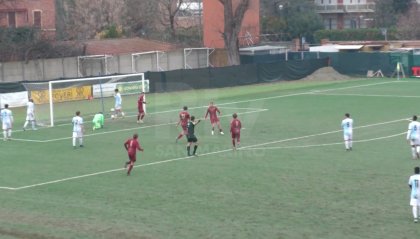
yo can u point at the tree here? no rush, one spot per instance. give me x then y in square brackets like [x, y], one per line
[139, 17]
[387, 12]
[408, 26]
[169, 9]
[301, 18]
[83, 19]
[232, 26]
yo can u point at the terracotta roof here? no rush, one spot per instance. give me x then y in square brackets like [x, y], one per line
[131, 45]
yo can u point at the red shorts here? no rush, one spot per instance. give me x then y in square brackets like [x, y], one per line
[236, 136]
[141, 111]
[184, 130]
[132, 157]
[214, 120]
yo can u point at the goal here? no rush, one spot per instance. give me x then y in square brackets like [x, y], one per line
[57, 101]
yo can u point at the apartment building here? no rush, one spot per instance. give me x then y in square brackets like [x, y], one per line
[346, 14]
[29, 13]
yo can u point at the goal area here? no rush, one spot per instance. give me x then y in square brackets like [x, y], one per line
[57, 101]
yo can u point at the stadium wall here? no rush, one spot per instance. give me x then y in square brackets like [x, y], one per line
[182, 79]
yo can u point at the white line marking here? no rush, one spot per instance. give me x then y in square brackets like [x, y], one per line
[393, 96]
[312, 135]
[321, 145]
[181, 158]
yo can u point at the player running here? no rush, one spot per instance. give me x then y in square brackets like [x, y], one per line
[132, 145]
[413, 137]
[140, 107]
[30, 115]
[235, 130]
[191, 138]
[7, 122]
[212, 110]
[184, 116]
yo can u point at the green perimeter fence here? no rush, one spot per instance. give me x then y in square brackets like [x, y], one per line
[217, 77]
[348, 63]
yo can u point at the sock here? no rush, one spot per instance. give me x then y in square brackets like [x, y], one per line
[129, 169]
[80, 141]
[212, 129]
[346, 143]
[233, 143]
[188, 150]
[220, 130]
[180, 136]
[26, 124]
[350, 143]
[9, 133]
[4, 134]
[413, 152]
[195, 148]
[33, 124]
[138, 117]
[142, 116]
[74, 141]
[415, 212]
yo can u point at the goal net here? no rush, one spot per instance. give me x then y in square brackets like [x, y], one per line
[148, 61]
[93, 65]
[57, 101]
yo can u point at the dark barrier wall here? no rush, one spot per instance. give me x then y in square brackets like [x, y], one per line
[205, 78]
[11, 87]
[233, 75]
[348, 63]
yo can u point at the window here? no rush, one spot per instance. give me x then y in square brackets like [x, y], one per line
[37, 19]
[11, 16]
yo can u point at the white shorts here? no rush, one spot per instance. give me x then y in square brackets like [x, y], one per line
[414, 202]
[7, 125]
[414, 142]
[77, 134]
[348, 136]
[117, 107]
[30, 116]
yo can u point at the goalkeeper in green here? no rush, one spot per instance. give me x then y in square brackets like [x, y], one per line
[98, 121]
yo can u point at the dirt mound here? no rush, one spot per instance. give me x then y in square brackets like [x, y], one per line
[326, 74]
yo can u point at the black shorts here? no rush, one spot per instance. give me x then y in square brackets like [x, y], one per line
[191, 139]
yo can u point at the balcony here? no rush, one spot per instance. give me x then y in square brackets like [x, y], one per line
[349, 8]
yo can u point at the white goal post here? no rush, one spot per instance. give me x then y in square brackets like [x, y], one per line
[97, 64]
[94, 87]
[150, 59]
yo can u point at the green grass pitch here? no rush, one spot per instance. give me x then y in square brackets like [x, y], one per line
[291, 178]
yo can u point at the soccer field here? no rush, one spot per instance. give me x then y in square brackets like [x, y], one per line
[290, 178]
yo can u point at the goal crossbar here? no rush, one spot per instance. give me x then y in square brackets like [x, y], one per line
[116, 77]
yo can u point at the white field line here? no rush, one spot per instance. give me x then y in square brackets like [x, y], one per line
[313, 135]
[321, 145]
[393, 96]
[123, 130]
[182, 158]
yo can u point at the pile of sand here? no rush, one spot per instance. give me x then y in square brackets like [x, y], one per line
[326, 74]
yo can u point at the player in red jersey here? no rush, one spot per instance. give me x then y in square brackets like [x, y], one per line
[184, 116]
[132, 145]
[235, 130]
[140, 107]
[212, 110]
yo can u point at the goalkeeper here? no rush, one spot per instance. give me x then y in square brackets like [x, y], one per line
[98, 121]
